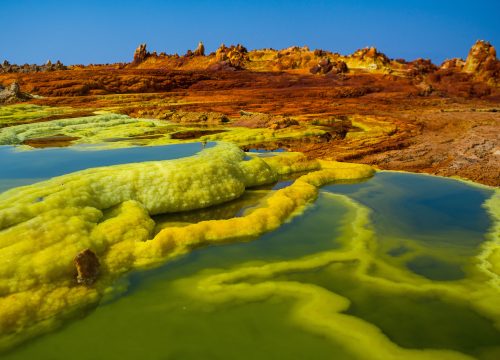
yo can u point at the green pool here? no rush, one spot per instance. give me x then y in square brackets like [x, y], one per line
[384, 268]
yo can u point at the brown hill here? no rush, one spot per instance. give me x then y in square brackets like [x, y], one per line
[396, 114]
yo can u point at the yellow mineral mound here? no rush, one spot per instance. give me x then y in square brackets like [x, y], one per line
[64, 241]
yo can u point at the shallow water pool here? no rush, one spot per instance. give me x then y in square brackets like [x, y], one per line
[384, 268]
[23, 167]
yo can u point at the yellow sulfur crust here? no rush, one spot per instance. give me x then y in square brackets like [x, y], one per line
[44, 225]
[321, 311]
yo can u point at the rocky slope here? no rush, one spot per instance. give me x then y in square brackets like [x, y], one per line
[481, 62]
[396, 114]
[13, 94]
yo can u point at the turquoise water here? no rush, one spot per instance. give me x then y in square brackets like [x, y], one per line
[424, 226]
[429, 208]
[435, 213]
[26, 167]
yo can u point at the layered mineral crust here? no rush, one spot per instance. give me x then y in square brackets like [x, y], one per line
[325, 312]
[95, 225]
[439, 119]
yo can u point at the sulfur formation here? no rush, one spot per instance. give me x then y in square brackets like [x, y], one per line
[108, 210]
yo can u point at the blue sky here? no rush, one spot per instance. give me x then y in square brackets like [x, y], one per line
[108, 31]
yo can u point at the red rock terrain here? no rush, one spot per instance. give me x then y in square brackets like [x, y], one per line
[395, 114]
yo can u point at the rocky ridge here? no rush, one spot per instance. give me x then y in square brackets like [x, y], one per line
[7, 67]
[481, 64]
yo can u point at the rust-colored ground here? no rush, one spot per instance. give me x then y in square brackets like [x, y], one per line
[443, 123]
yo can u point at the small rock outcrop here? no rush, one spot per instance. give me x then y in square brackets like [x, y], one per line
[424, 89]
[233, 57]
[13, 94]
[282, 123]
[482, 63]
[140, 54]
[256, 120]
[87, 267]
[421, 67]
[481, 57]
[452, 64]
[371, 57]
[326, 66]
[7, 67]
[200, 50]
[295, 57]
[319, 52]
[370, 53]
[194, 117]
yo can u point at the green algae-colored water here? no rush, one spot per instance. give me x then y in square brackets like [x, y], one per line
[425, 232]
[427, 213]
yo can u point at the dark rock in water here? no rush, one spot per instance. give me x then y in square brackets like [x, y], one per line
[87, 267]
[13, 94]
